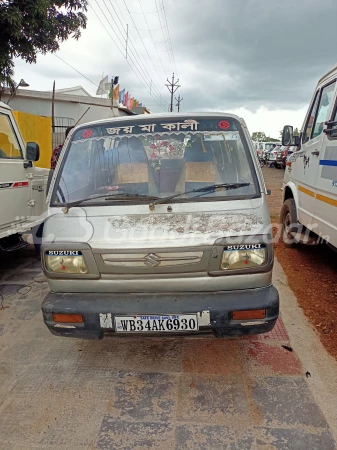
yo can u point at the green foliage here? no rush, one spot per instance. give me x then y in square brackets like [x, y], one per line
[260, 136]
[28, 27]
[296, 132]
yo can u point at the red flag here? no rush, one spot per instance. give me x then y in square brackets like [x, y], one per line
[126, 100]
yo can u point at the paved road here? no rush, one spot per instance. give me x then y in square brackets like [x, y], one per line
[246, 393]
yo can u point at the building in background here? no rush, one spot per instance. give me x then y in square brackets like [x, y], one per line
[71, 105]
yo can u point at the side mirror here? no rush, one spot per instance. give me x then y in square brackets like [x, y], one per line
[32, 151]
[287, 135]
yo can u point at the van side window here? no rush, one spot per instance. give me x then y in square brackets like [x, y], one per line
[334, 119]
[323, 109]
[310, 121]
[9, 145]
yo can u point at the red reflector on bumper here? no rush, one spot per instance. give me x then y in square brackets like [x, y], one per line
[68, 318]
[250, 314]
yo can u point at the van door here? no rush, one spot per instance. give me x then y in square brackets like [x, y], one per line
[326, 184]
[304, 171]
[14, 186]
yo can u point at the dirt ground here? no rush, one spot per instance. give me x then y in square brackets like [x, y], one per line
[311, 272]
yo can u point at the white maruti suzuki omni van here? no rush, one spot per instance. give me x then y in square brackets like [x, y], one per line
[159, 225]
[310, 182]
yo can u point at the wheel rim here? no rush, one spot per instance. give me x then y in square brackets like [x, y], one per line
[287, 233]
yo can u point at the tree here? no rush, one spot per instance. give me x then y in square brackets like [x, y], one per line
[29, 27]
[296, 132]
[259, 136]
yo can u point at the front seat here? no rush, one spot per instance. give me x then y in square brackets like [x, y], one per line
[200, 169]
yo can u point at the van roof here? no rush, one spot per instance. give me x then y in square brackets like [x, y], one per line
[327, 75]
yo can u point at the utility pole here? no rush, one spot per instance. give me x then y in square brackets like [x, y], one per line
[172, 86]
[179, 100]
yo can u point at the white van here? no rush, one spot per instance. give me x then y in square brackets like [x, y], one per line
[22, 186]
[264, 147]
[310, 182]
[159, 225]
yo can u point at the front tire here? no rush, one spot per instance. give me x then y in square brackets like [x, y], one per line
[289, 223]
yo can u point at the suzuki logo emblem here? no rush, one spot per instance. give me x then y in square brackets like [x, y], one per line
[151, 260]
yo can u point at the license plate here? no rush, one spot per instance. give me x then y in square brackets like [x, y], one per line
[156, 324]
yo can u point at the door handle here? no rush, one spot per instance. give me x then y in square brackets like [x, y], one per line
[315, 153]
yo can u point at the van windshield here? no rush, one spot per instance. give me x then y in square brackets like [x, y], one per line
[134, 160]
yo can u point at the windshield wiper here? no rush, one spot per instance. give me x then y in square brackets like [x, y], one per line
[211, 188]
[119, 196]
[127, 196]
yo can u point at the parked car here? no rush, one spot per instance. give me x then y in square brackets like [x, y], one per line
[310, 181]
[266, 147]
[171, 236]
[271, 154]
[22, 186]
[283, 154]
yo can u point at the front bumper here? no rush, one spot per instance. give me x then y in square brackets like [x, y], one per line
[219, 304]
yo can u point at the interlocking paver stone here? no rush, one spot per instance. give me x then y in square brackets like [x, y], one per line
[212, 399]
[293, 439]
[286, 401]
[118, 434]
[144, 397]
[213, 437]
[59, 394]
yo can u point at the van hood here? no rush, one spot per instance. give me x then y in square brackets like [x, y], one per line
[104, 229]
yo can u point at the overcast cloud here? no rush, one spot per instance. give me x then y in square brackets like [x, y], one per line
[258, 58]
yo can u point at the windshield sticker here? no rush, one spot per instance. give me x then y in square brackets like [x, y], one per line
[224, 125]
[158, 129]
[232, 137]
[213, 137]
[87, 134]
[191, 124]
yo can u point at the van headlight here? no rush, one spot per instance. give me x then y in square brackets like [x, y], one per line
[65, 263]
[237, 257]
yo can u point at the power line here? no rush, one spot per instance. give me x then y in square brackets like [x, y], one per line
[80, 73]
[134, 66]
[143, 71]
[141, 64]
[147, 24]
[120, 40]
[168, 34]
[161, 20]
[140, 37]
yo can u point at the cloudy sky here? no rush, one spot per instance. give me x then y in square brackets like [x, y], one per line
[260, 59]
